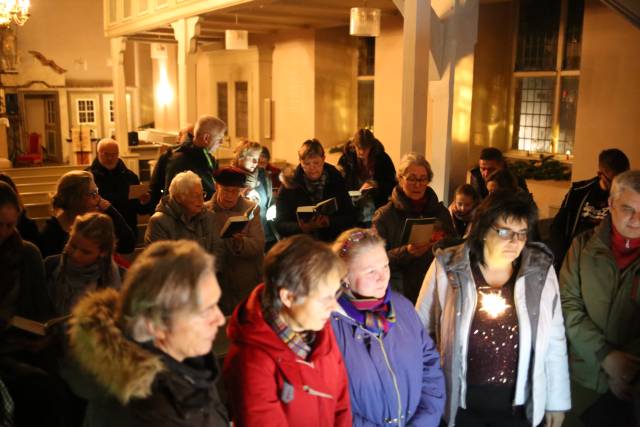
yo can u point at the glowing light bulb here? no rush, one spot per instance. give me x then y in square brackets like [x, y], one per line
[493, 304]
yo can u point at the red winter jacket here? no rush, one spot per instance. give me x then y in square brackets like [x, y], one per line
[270, 386]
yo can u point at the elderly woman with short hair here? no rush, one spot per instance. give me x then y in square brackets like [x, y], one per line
[145, 354]
[411, 198]
[76, 194]
[182, 215]
[284, 367]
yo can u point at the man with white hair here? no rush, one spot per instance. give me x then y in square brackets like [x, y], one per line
[182, 214]
[600, 293]
[197, 155]
[113, 179]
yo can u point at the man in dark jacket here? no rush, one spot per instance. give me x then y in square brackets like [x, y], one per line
[491, 160]
[113, 179]
[586, 203]
[197, 155]
[312, 182]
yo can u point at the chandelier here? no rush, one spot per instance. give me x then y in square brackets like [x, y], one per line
[14, 11]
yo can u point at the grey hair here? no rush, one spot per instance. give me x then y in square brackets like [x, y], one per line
[208, 124]
[629, 180]
[107, 141]
[410, 159]
[182, 183]
[162, 281]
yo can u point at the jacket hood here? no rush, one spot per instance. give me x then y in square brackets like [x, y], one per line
[535, 258]
[122, 367]
[96, 166]
[247, 326]
[169, 206]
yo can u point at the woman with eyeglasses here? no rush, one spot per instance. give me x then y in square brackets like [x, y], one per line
[493, 304]
[77, 194]
[411, 198]
[392, 364]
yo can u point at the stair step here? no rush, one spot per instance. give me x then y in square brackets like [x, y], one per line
[35, 188]
[35, 197]
[42, 170]
[35, 210]
[36, 179]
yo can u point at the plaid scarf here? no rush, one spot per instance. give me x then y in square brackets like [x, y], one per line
[316, 188]
[375, 314]
[299, 343]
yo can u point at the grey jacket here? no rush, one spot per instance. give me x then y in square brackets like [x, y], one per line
[241, 262]
[169, 223]
[447, 304]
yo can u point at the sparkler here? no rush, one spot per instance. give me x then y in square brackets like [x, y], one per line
[493, 304]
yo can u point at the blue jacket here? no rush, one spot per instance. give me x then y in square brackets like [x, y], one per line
[381, 368]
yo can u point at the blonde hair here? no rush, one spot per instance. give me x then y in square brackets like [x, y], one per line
[410, 159]
[243, 149]
[353, 242]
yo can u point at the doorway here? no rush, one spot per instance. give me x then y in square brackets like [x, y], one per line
[41, 118]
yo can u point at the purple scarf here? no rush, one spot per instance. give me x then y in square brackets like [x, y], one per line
[375, 314]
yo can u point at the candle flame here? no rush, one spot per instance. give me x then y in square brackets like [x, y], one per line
[493, 304]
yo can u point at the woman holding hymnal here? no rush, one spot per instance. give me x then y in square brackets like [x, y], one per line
[411, 222]
[313, 199]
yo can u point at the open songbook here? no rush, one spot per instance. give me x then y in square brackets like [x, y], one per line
[35, 327]
[235, 224]
[418, 230]
[326, 207]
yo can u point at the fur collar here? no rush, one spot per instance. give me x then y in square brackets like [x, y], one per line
[119, 365]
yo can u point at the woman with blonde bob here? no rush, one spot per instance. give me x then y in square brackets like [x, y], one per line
[77, 194]
[393, 367]
[146, 353]
[86, 263]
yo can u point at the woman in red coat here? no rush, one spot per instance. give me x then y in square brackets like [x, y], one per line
[284, 367]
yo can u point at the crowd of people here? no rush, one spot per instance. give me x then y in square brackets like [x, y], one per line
[334, 316]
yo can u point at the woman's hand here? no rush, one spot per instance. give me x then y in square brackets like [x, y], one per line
[103, 204]
[417, 250]
[553, 418]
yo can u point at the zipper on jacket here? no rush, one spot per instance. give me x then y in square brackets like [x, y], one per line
[317, 393]
[468, 330]
[393, 377]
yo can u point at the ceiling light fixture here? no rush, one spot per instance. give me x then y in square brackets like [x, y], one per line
[236, 39]
[14, 11]
[364, 22]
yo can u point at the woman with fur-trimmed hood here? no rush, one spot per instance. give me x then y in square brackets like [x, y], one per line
[145, 355]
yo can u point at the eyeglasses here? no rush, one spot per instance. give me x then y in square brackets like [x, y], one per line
[411, 179]
[507, 234]
[93, 193]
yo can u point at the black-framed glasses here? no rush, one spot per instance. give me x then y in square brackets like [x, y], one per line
[411, 179]
[93, 193]
[507, 234]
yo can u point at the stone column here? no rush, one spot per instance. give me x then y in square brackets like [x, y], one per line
[118, 47]
[186, 32]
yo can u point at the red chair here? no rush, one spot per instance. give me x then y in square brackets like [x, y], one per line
[34, 155]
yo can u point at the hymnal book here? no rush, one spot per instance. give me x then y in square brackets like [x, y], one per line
[235, 224]
[326, 207]
[418, 231]
[135, 191]
[356, 194]
[35, 327]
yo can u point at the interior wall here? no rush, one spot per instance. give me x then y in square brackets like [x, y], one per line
[608, 106]
[335, 86]
[293, 93]
[82, 49]
[387, 92]
[492, 78]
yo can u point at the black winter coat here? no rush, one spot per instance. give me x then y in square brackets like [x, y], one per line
[407, 271]
[188, 157]
[384, 173]
[113, 186]
[294, 194]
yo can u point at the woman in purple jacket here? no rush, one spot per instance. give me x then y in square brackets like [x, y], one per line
[393, 367]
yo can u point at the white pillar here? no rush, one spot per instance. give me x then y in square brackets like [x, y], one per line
[186, 32]
[118, 47]
[415, 74]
